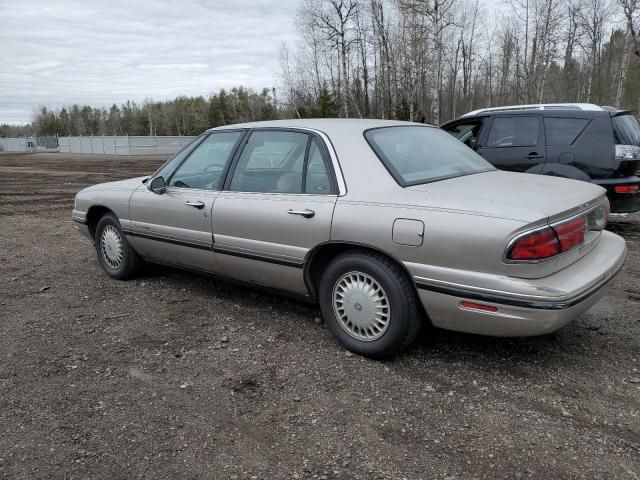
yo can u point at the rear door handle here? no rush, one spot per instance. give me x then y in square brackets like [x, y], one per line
[306, 213]
[534, 155]
[195, 204]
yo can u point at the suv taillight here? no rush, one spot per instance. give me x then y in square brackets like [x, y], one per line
[627, 188]
[627, 152]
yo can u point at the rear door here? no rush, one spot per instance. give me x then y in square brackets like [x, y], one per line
[514, 143]
[277, 204]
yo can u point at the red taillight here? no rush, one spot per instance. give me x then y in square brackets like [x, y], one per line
[570, 234]
[479, 306]
[627, 188]
[535, 246]
[549, 241]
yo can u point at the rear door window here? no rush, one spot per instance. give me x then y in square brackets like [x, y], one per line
[317, 179]
[271, 162]
[514, 131]
[563, 131]
[626, 130]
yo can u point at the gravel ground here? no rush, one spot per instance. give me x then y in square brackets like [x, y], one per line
[174, 375]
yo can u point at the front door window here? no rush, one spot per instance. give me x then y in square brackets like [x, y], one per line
[204, 167]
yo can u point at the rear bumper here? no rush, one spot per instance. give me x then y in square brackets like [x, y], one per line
[621, 202]
[527, 314]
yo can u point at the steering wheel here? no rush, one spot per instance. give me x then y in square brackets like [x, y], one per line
[212, 170]
[503, 141]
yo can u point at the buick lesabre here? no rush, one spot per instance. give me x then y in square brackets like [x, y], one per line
[387, 225]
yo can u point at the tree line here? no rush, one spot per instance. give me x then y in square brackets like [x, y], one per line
[432, 60]
[419, 60]
[181, 116]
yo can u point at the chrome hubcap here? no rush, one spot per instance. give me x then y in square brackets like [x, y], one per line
[361, 306]
[112, 247]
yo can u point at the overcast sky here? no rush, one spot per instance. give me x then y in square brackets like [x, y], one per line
[62, 52]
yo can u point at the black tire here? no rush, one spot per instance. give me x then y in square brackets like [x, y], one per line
[406, 314]
[131, 264]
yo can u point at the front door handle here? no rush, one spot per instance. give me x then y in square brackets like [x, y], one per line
[306, 213]
[533, 155]
[195, 204]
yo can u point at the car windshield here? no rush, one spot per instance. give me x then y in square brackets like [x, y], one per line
[626, 130]
[415, 154]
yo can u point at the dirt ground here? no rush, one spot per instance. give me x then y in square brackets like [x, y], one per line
[174, 375]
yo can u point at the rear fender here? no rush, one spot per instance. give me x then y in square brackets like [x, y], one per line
[563, 170]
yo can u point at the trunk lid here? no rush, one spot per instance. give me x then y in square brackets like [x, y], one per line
[534, 200]
[527, 197]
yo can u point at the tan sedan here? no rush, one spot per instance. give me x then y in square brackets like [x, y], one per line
[387, 225]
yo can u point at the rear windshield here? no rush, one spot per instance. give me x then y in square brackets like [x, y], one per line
[626, 130]
[415, 154]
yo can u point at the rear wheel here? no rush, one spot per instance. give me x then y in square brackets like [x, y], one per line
[370, 305]
[115, 255]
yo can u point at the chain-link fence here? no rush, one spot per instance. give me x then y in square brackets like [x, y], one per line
[114, 145]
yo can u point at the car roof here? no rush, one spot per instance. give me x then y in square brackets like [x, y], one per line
[327, 125]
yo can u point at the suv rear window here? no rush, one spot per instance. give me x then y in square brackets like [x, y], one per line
[563, 131]
[415, 154]
[626, 130]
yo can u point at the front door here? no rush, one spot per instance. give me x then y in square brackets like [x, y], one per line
[277, 205]
[176, 226]
[515, 143]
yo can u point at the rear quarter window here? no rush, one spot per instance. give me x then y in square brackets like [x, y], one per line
[626, 130]
[564, 131]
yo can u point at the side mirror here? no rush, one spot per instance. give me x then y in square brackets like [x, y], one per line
[158, 186]
[473, 143]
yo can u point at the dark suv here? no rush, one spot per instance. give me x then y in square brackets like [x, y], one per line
[579, 141]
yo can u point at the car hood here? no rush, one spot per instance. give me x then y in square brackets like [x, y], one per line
[518, 196]
[129, 184]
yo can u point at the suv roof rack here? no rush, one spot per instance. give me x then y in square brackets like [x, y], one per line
[539, 106]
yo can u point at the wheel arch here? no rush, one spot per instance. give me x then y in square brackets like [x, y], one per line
[556, 169]
[323, 253]
[94, 214]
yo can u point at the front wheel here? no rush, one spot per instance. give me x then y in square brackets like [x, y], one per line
[370, 304]
[115, 255]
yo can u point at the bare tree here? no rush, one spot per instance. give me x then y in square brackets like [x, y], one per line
[429, 60]
[593, 16]
[336, 19]
[631, 10]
